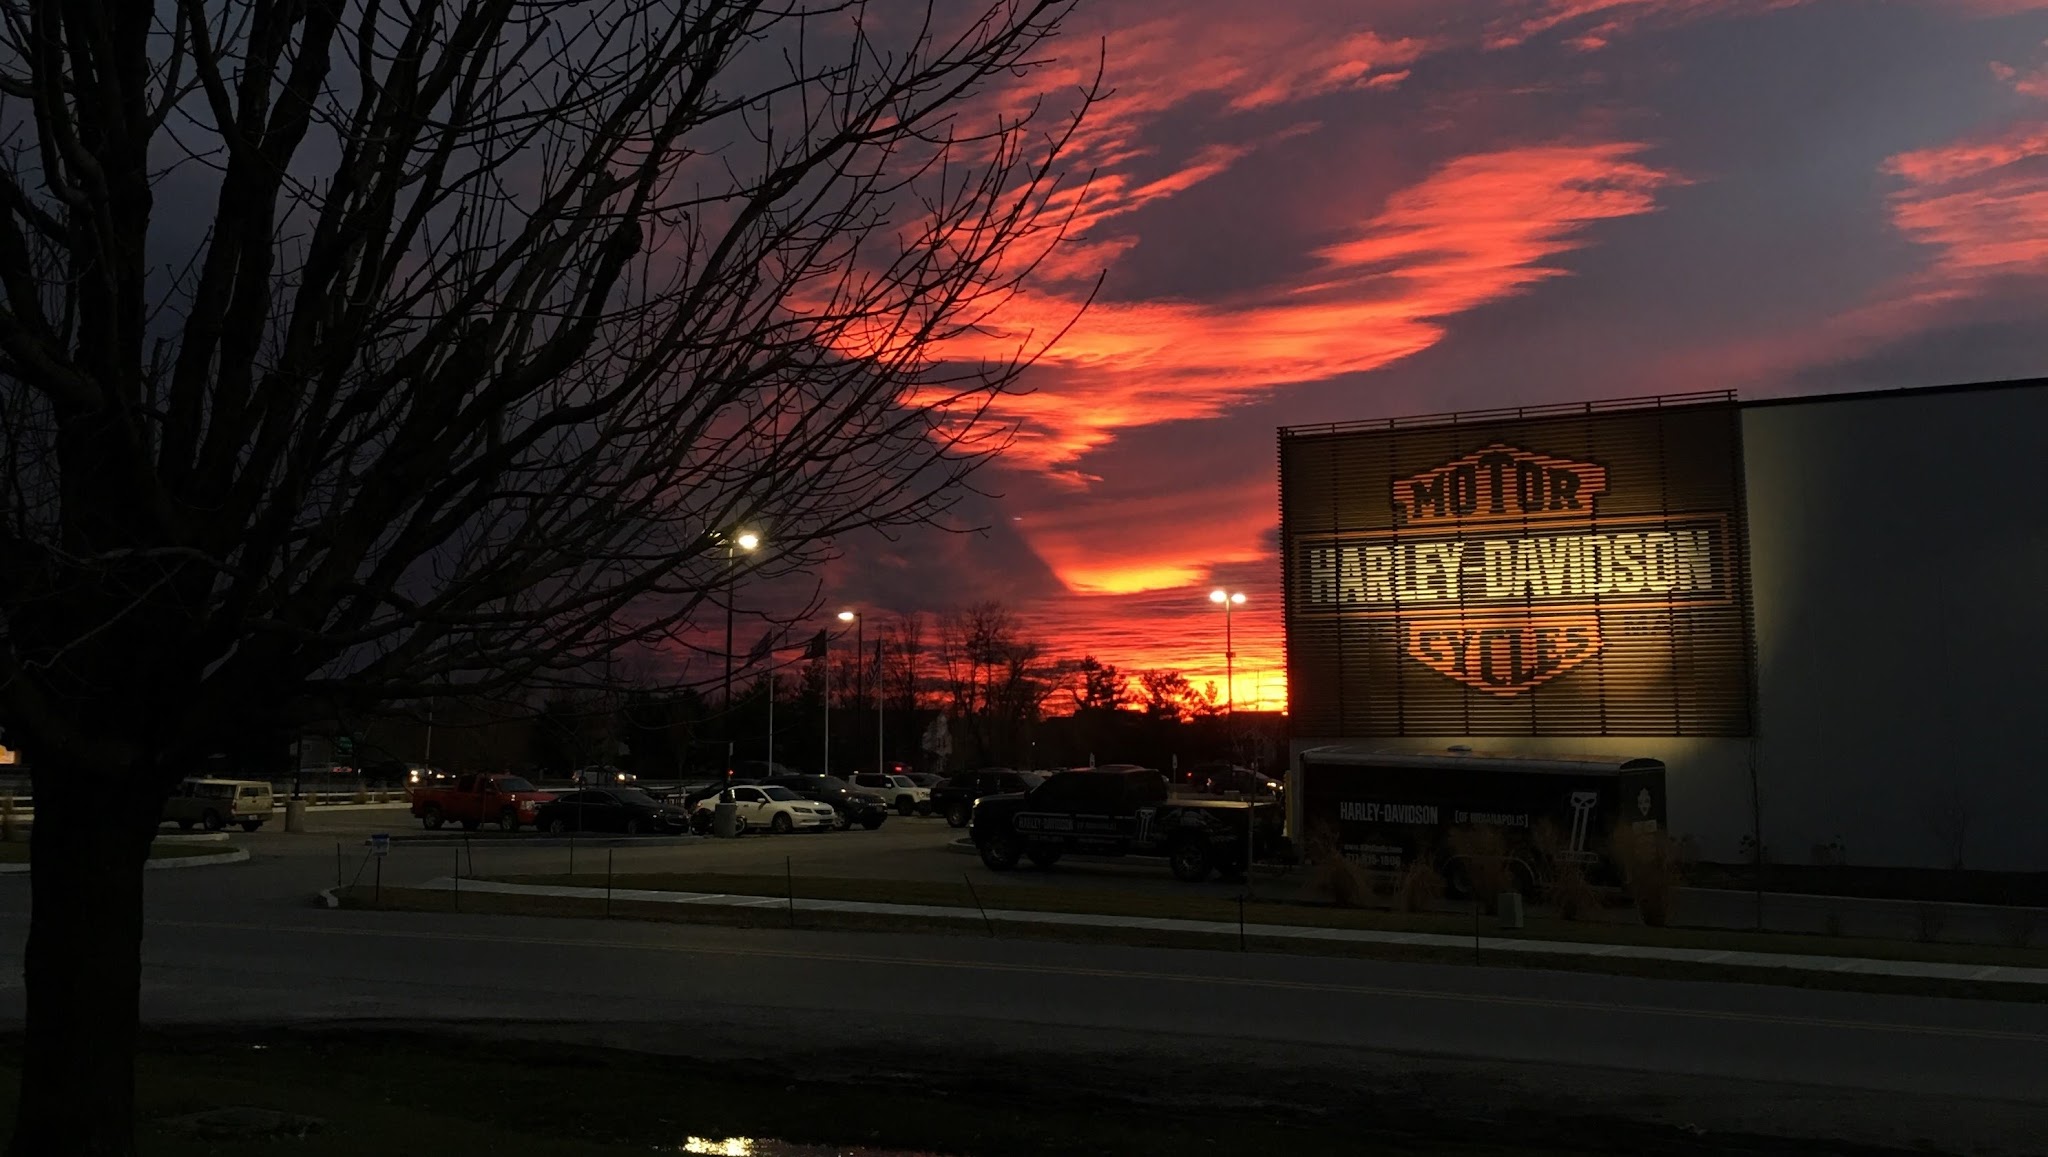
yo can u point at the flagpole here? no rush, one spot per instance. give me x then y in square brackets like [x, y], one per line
[773, 678]
[828, 705]
[880, 767]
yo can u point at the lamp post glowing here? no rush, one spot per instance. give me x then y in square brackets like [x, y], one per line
[860, 653]
[747, 541]
[1228, 599]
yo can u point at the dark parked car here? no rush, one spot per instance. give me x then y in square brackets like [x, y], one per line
[954, 797]
[1116, 813]
[854, 806]
[1226, 779]
[626, 810]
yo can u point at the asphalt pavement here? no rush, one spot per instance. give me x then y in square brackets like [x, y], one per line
[243, 944]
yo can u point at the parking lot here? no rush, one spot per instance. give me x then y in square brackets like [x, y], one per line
[919, 848]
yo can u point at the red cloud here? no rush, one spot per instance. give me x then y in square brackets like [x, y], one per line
[2027, 83]
[1981, 204]
[1479, 229]
[1598, 22]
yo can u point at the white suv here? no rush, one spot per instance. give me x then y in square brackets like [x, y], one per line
[898, 791]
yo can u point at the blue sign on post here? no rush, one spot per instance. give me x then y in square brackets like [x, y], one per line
[380, 844]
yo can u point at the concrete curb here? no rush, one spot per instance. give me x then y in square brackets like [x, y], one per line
[233, 856]
[1916, 969]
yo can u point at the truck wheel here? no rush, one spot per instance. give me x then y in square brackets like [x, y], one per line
[508, 820]
[873, 820]
[212, 821]
[432, 819]
[1000, 854]
[1043, 858]
[905, 805]
[958, 815]
[1191, 861]
[557, 826]
[781, 824]
[632, 825]
[840, 820]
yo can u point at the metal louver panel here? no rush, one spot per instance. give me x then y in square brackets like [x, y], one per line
[1559, 571]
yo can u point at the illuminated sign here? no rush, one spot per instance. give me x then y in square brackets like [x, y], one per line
[1537, 595]
[1579, 574]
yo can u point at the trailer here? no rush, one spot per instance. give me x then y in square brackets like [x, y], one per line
[1388, 809]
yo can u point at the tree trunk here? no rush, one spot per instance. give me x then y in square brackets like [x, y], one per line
[83, 967]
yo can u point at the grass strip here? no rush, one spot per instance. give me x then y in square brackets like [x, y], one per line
[410, 1093]
[1223, 909]
[498, 903]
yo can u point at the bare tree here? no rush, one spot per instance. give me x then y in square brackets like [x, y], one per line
[903, 661]
[356, 351]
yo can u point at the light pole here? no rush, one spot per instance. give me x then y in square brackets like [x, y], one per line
[1229, 599]
[748, 541]
[860, 650]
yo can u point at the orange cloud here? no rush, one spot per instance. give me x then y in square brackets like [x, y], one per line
[1982, 205]
[1479, 229]
[2033, 82]
[1600, 22]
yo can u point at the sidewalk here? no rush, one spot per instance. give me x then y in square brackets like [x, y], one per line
[1918, 969]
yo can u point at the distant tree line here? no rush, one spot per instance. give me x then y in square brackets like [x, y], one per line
[1007, 699]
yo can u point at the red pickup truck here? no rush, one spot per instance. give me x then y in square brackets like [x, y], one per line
[505, 800]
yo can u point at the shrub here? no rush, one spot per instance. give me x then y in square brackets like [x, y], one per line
[1649, 866]
[1482, 852]
[1419, 888]
[1341, 881]
[1564, 878]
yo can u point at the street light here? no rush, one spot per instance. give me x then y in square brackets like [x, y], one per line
[747, 541]
[1228, 599]
[860, 653]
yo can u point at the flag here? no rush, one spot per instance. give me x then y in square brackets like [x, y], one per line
[764, 650]
[819, 642]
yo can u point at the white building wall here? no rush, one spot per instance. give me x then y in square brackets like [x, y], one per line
[1899, 559]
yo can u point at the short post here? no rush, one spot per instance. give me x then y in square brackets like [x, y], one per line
[337, 865]
[789, 887]
[380, 846]
[1240, 922]
[458, 879]
[572, 853]
[608, 883]
[986, 922]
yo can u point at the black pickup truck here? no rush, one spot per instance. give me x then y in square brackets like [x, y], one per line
[1115, 813]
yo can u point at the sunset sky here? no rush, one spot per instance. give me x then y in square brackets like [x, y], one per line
[1331, 209]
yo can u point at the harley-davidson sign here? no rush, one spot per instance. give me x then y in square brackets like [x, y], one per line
[1498, 565]
[1579, 571]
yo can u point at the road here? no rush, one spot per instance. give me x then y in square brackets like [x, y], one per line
[242, 944]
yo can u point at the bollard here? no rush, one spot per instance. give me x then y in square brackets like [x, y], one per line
[295, 815]
[725, 819]
[789, 886]
[458, 879]
[608, 883]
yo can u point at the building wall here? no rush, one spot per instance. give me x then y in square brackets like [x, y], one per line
[1899, 555]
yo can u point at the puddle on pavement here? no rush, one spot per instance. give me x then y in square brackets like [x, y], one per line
[767, 1147]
